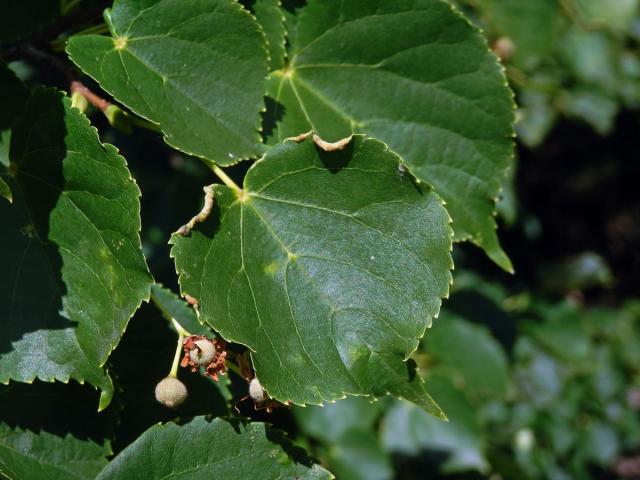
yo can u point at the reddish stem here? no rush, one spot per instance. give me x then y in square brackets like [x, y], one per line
[92, 98]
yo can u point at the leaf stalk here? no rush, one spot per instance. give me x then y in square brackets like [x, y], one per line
[225, 178]
[176, 358]
[182, 333]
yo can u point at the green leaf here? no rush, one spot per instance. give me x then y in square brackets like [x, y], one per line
[43, 456]
[171, 306]
[195, 67]
[328, 266]
[592, 58]
[591, 106]
[408, 430]
[537, 116]
[271, 19]
[70, 250]
[418, 76]
[217, 449]
[5, 191]
[472, 352]
[507, 206]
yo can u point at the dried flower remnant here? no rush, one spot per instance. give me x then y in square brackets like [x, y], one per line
[199, 351]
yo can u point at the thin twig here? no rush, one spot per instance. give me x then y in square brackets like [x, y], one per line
[98, 102]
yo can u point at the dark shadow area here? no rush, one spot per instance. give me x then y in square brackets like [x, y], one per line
[289, 5]
[248, 4]
[244, 406]
[297, 454]
[425, 465]
[31, 287]
[274, 113]
[209, 228]
[58, 408]
[584, 190]
[14, 97]
[23, 17]
[578, 192]
[292, 5]
[504, 461]
[142, 359]
[412, 369]
[338, 159]
[474, 306]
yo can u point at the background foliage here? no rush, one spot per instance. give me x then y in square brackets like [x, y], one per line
[537, 372]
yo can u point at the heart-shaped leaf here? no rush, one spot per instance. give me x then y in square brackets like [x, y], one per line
[195, 67]
[328, 266]
[70, 249]
[418, 76]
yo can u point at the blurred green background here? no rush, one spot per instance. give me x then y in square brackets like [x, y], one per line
[539, 372]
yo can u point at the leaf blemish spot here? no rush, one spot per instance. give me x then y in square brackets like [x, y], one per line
[271, 268]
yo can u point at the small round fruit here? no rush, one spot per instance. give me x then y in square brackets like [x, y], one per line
[171, 392]
[204, 353]
[256, 391]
